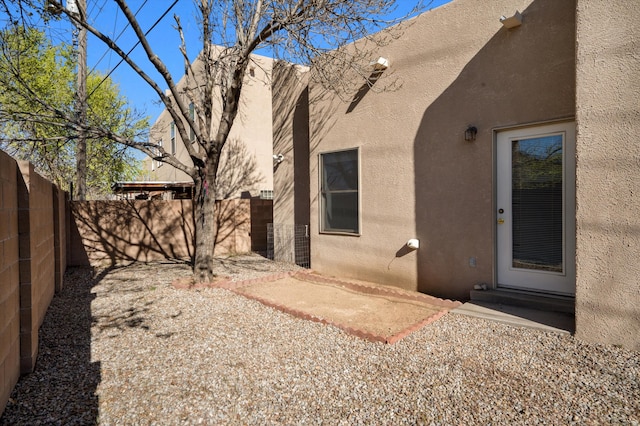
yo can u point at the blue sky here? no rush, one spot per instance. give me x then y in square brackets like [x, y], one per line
[163, 38]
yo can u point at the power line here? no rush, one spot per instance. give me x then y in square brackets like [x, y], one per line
[95, 3]
[115, 24]
[134, 46]
[118, 36]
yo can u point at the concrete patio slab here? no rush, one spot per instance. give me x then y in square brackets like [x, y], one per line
[557, 322]
[366, 310]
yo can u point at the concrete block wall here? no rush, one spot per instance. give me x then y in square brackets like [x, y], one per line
[37, 258]
[122, 231]
[9, 279]
[29, 264]
[39, 238]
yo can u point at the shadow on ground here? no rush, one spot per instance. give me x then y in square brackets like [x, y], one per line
[62, 388]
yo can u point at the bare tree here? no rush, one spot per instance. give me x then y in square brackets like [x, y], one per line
[317, 33]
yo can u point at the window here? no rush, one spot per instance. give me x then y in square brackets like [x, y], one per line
[160, 163]
[173, 138]
[339, 189]
[192, 115]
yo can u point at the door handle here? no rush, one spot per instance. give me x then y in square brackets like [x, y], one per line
[500, 221]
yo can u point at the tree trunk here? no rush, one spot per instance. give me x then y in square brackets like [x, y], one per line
[205, 185]
[204, 217]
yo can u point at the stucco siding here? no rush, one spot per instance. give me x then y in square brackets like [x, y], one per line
[456, 66]
[608, 172]
[252, 129]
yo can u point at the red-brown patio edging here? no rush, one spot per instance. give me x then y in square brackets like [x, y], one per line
[236, 287]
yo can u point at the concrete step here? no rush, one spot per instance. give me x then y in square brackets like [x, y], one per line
[525, 299]
[516, 316]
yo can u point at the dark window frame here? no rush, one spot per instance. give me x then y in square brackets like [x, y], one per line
[192, 116]
[340, 204]
[173, 138]
[159, 163]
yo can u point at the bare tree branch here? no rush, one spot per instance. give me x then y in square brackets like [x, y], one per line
[333, 37]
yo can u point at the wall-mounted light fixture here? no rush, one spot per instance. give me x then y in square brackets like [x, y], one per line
[512, 21]
[470, 134]
[380, 64]
[278, 158]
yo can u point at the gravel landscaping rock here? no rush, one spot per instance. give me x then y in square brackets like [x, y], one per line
[122, 346]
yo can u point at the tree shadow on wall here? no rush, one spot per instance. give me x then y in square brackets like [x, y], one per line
[238, 172]
[291, 177]
[126, 231]
[62, 388]
[233, 226]
[498, 87]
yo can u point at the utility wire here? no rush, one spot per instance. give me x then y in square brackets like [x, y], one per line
[115, 25]
[95, 3]
[118, 36]
[134, 46]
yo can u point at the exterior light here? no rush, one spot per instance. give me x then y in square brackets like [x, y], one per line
[470, 134]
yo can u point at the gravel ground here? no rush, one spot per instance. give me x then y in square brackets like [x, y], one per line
[121, 346]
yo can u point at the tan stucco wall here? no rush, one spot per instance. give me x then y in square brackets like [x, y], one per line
[419, 178]
[124, 231]
[291, 175]
[608, 172]
[291, 136]
[253, 127]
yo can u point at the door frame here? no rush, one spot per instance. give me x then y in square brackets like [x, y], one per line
[570, 221]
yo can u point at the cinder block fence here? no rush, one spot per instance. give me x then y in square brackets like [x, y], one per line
[42, 232]
[9, 279]
[32, 264]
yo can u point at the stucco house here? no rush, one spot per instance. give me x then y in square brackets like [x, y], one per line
[250, 140]
[506, 156]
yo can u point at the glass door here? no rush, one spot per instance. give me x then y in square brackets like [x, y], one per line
[536, 208]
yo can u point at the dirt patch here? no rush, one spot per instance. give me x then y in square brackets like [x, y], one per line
[376, 313]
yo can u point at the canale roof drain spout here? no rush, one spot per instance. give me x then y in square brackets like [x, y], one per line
[413, 244]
